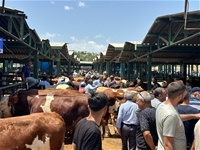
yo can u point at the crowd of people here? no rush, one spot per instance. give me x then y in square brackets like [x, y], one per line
[167, 120]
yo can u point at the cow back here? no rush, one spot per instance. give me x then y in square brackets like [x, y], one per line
[36, 131]
[71, 108]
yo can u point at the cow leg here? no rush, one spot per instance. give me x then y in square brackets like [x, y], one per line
[108, 130]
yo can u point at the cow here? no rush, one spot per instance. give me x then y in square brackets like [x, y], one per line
[69, 104]
[35, 131]
[116, 97]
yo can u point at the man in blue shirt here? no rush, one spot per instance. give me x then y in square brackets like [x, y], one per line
[26, 74]
[127, 122]
[195, 98]
[89, 88]
[98, 81]
[189, 125]
[43, 82]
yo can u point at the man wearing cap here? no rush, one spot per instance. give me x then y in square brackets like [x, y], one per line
[195, 98]
[112, 81]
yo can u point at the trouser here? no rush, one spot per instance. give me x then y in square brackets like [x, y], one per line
[128, 133]
[31, 81]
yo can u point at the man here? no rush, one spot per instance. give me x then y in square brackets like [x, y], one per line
[169, 124]
[26, 74]
[127, 122]
[195, 98]
[140, 83]
[112, 81]
[70, 82]
[146, 136]
[184, 108]
[43, 83]
[98, 82]
[87, 135]
[159, 97]
[196, 144]
[89, 88]
[155, 83]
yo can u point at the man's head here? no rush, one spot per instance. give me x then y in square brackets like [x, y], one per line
[143, 99]
[29, 63]
[160, 94]
[154, 80]
[90, 81]
[71, 78]
[139, 80]
[175, 91]
[100, 78]
[186, 97]
[195, 92]
[97, 101]
[128, 95]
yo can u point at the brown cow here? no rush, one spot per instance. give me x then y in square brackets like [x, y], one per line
[72, 108]
[35, 131]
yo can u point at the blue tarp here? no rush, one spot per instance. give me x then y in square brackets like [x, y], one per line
[1, 45]
[44, 66]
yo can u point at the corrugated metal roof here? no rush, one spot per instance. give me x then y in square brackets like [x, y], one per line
[161, 27]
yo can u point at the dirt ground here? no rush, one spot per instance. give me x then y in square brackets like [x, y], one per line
[109, 143]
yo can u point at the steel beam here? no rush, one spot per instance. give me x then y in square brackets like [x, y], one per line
[149, 65]
[35, 65]
[168, 46]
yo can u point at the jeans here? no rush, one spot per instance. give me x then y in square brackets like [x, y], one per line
[31, 81]
[128, 133]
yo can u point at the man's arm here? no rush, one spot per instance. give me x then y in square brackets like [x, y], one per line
[193, 147]
[186, 117]
[73, 146]
[149, 140]
[23, 77]
[168, 142]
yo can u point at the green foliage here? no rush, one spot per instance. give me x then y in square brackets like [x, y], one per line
[85, 56]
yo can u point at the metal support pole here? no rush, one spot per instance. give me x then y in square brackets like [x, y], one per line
[128, 71]
[5, 66]
[122, 70]
[184, 73]
[149, 64]
[188, 70]
[108, 68]
[50, 68]
[69, 67]
[172, 71]
[35, 65]
[101, 68]
[11, 65]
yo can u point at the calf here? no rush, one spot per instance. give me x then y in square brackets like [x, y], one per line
[35, 131]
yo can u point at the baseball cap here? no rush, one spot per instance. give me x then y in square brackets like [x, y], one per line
[195, 89]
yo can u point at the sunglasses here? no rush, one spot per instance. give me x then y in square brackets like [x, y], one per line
[142, 96]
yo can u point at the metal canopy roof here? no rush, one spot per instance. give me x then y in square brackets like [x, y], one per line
[168, 42]
[172, 24]
[113, 51]
[19, 40]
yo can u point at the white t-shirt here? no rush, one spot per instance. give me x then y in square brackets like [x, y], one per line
[169, 123]
[197, 135]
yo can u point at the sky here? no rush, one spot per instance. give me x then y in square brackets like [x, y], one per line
[91, 25]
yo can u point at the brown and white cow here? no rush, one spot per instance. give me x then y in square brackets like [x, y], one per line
[36, 131]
